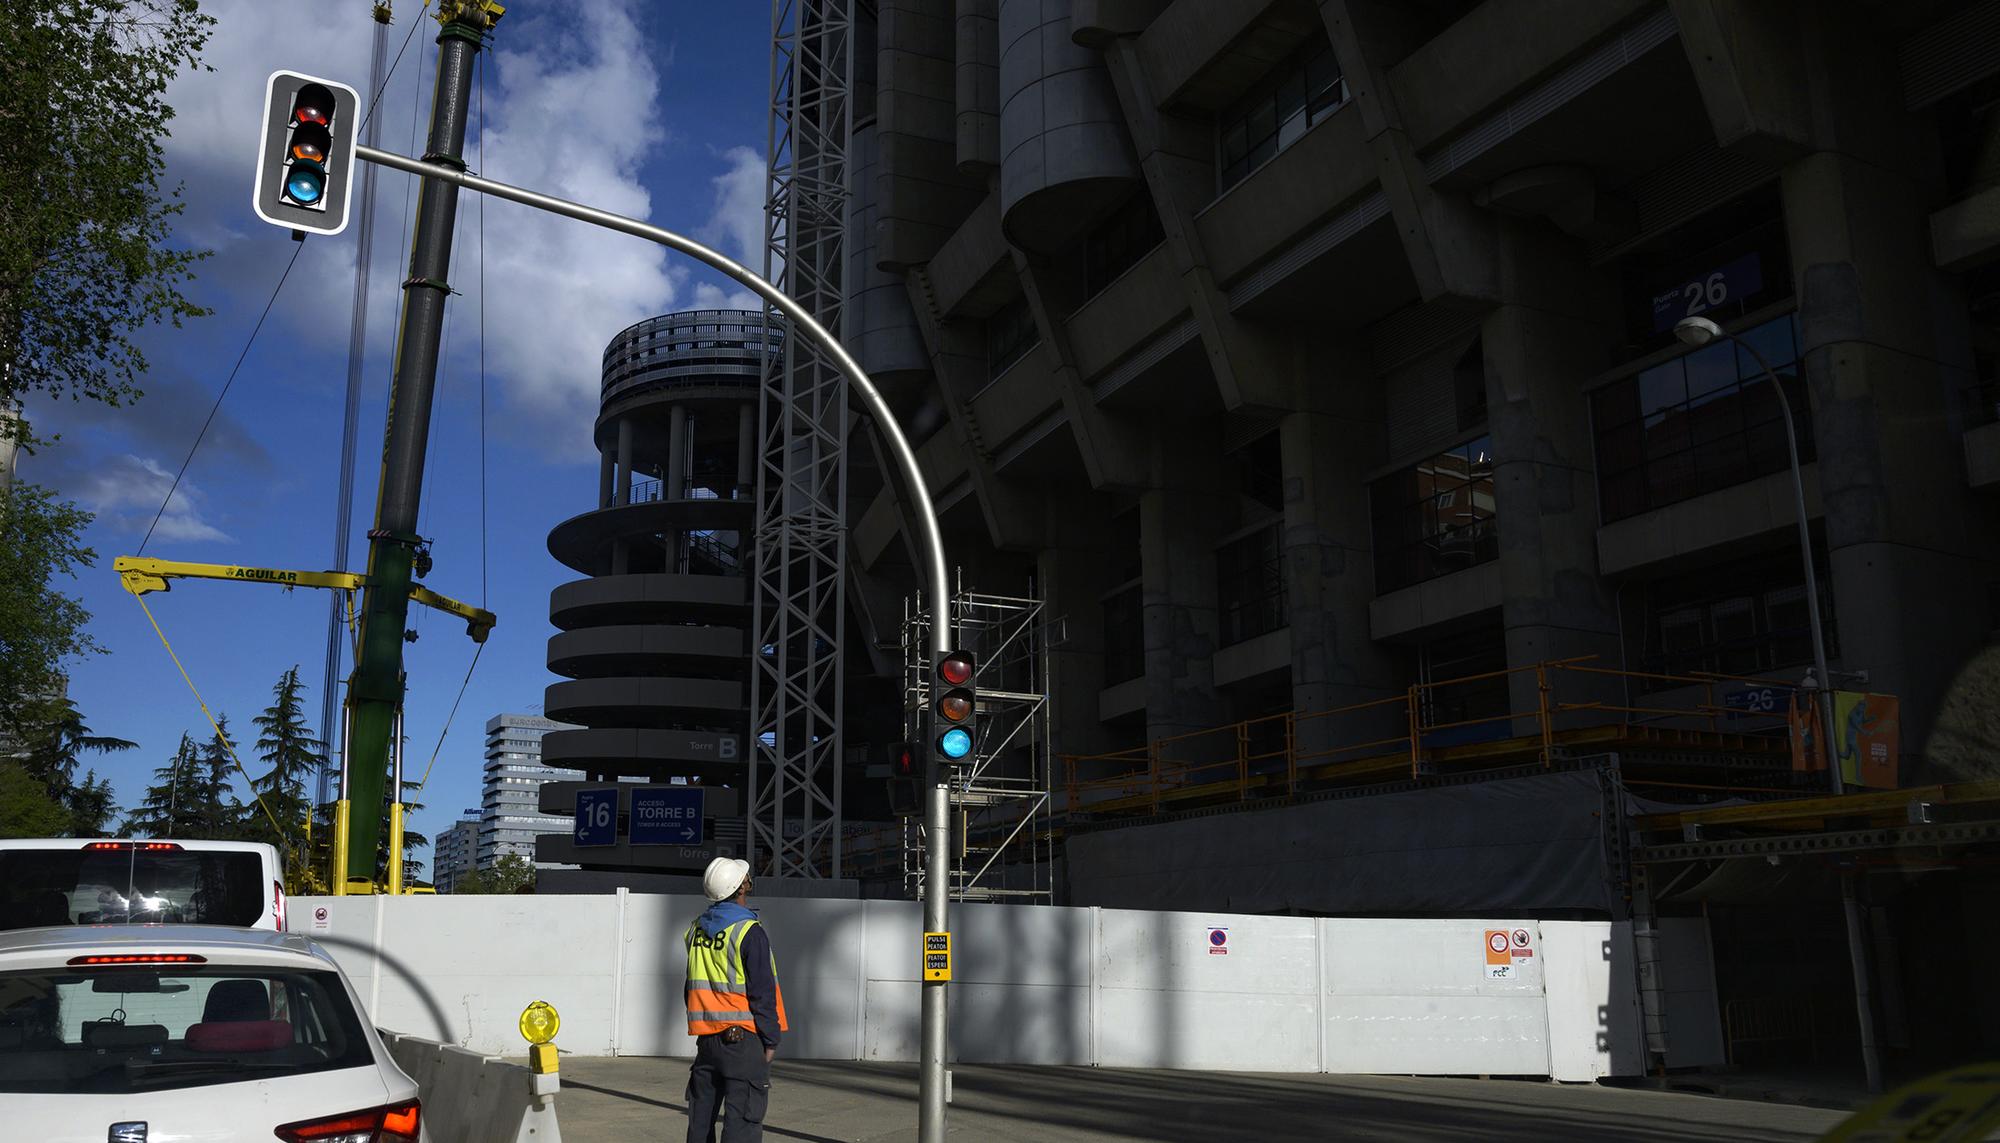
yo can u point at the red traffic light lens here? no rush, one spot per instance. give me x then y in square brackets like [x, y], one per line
[313, 104]
[955, 706]
[956, 668]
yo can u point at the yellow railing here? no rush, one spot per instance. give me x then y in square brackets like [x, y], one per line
[1271, 754]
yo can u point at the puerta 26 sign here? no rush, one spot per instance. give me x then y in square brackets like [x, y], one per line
[1736, 280]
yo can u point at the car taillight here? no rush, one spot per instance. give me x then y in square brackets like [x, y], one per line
[278, 903]
[136, 958]
[141, 846]
[396, 1123]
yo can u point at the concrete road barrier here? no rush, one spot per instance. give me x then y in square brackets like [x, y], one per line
[469, 1097]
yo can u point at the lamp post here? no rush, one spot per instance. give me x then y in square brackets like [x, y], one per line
[1697, 332]
[1700, 331]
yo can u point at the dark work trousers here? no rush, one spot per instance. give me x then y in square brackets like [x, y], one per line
[735, 1076]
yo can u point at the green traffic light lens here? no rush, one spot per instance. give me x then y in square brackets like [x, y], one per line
[955, 743]
[304, 183]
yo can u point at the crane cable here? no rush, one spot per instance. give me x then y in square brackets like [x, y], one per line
[203, 703]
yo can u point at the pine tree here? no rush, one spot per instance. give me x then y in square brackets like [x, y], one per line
[57, 738]
[169, 807]
[294, 758]
[218, 814]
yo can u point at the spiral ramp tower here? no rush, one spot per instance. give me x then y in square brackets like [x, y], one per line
[652, 643]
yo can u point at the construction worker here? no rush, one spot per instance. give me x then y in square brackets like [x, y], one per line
[735, 1010]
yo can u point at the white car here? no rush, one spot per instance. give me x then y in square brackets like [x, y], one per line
[114, 881]
[189, 1034]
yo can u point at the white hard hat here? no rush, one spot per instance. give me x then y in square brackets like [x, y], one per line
[724, 877]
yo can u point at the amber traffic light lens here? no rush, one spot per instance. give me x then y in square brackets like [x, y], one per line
[955, 707]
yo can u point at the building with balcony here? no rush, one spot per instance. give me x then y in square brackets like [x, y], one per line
[1316, 362]
[510, 810]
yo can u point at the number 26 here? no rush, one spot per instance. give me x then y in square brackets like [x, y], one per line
[1702, 295]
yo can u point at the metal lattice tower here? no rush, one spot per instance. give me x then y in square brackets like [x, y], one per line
[797, 679]
[1000, 804]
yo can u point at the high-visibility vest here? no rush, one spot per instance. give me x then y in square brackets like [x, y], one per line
[718, 994]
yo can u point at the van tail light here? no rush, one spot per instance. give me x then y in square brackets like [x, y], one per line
[140, 846]
[396, 1123]
[278, 904]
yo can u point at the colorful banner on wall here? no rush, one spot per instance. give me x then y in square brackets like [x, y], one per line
[1869, 729]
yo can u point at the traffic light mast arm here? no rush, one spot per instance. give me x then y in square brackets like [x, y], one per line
[929, 538]
[140, 576]
[937, 816]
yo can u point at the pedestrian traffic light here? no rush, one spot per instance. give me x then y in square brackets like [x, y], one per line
[903, 783]
[305, 154]
[952, 705]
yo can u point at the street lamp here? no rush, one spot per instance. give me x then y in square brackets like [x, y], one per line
[1700, 331]
[1697, 332]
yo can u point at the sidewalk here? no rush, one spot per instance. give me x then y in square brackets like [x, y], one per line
[607, 1100]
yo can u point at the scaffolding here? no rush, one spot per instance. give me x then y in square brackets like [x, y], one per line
[797, 685]
[1002, 833]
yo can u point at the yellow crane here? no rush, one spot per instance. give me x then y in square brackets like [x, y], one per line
[141, 576]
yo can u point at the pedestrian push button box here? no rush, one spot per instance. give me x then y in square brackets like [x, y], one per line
[937, 956]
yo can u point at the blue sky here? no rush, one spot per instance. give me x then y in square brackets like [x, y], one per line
[653, 108]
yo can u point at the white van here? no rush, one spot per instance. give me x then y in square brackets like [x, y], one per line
[58, 881]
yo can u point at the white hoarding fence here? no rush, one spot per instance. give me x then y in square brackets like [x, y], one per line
[1032, 984]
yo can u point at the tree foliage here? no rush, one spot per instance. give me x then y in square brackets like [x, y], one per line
[55, 740]
[26, 809]
[511, 874]
[86, 259]
[293, 755]
[170, 807]
[40, 540]
[219, 814]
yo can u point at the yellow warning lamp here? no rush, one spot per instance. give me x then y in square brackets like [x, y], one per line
[539, 1025]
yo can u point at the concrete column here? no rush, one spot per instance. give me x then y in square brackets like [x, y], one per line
[624, 461]
[1328, 448]
[1072, 573]
[1179, 520]
[746, 450]
[606, 470]
[1554, 332]
[1908, 545]
[1883, 337]
[673, 483]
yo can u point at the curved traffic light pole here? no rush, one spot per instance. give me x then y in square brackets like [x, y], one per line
[937, 820]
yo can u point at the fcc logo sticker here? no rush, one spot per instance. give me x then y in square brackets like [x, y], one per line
[127, 1133]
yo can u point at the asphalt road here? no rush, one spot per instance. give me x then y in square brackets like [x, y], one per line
[614, 1100]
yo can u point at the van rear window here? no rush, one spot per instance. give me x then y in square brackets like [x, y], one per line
[129, 886]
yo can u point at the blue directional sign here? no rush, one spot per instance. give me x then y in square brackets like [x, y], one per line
[666, 815]
[597, 817]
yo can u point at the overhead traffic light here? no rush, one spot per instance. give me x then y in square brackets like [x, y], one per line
[953, 703]
[305, 154]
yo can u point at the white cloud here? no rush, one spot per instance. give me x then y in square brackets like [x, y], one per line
[736, 219]
[709, 296]
[573, 111]
[127, 491]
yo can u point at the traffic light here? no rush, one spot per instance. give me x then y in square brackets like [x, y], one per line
[305, 154]
[952, 705]
[903, 782]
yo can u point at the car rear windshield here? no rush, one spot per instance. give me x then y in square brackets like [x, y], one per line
[129, 885]
[117, 1030]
